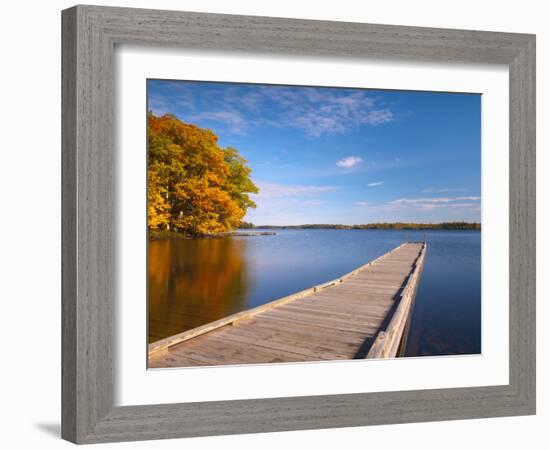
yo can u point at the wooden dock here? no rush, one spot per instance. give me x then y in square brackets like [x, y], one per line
[363, 314]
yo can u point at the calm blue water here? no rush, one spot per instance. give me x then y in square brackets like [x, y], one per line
[196, 281]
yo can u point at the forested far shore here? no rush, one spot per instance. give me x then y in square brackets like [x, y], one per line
[165, 234]
[372, 226]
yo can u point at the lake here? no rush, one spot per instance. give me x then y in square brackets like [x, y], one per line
[195, 281]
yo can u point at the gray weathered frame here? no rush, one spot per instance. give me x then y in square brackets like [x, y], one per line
[89, 37]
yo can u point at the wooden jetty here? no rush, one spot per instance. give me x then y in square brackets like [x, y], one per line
[363, 314]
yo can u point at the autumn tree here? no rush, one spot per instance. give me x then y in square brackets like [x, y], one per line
[194, 185]
[158, 208]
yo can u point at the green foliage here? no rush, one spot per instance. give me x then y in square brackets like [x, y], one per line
[194, 185]
[246, 225]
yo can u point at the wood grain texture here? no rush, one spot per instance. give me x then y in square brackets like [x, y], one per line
[169, 341]
[389, 340]
[331, 323]
[68, 227]
[90, 34]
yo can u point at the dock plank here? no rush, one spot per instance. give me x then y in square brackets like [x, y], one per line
[342, 319]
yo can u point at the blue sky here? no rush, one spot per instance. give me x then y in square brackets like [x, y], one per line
[337, 155]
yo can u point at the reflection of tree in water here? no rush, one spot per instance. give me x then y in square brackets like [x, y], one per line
[194, 281]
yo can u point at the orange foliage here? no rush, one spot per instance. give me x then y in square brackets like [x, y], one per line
[194, 185]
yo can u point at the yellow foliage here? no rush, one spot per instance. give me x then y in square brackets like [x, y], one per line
[194, 185]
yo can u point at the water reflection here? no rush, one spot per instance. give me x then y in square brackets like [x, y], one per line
[446, 317]
[194, 281]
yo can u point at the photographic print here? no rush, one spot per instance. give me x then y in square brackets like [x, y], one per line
[294, 224]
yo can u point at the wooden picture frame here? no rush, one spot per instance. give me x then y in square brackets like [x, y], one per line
[90, 34]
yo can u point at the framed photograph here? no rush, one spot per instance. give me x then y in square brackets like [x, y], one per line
[277, 224]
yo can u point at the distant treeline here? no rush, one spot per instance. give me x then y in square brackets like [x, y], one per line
[374, 226]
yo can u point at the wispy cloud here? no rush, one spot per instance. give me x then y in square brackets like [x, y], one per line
[319, 111]
[287, 204]
[169, 97]
[433, 203]
[441, 191]
[314, 111]
[349, 162]
[449, 205]
[376, 183]
[233, 119]
[271, 190]
[311, 203]
[421, 209]
[433, 200]
[379, 117]
[158, 104]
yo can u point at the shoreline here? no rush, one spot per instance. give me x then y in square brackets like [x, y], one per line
[259, 230]
[158, 236]
[408, 226]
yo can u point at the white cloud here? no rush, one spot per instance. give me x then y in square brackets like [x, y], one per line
[233, 119]
[311, 203]
[378, 117]
[434, 200]
[320, 112]
[362, 204]
[376, 183]
[449, 205]
[349, 162]
[270, 190]
[433, 191]
[314, 111]
[455, 204]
